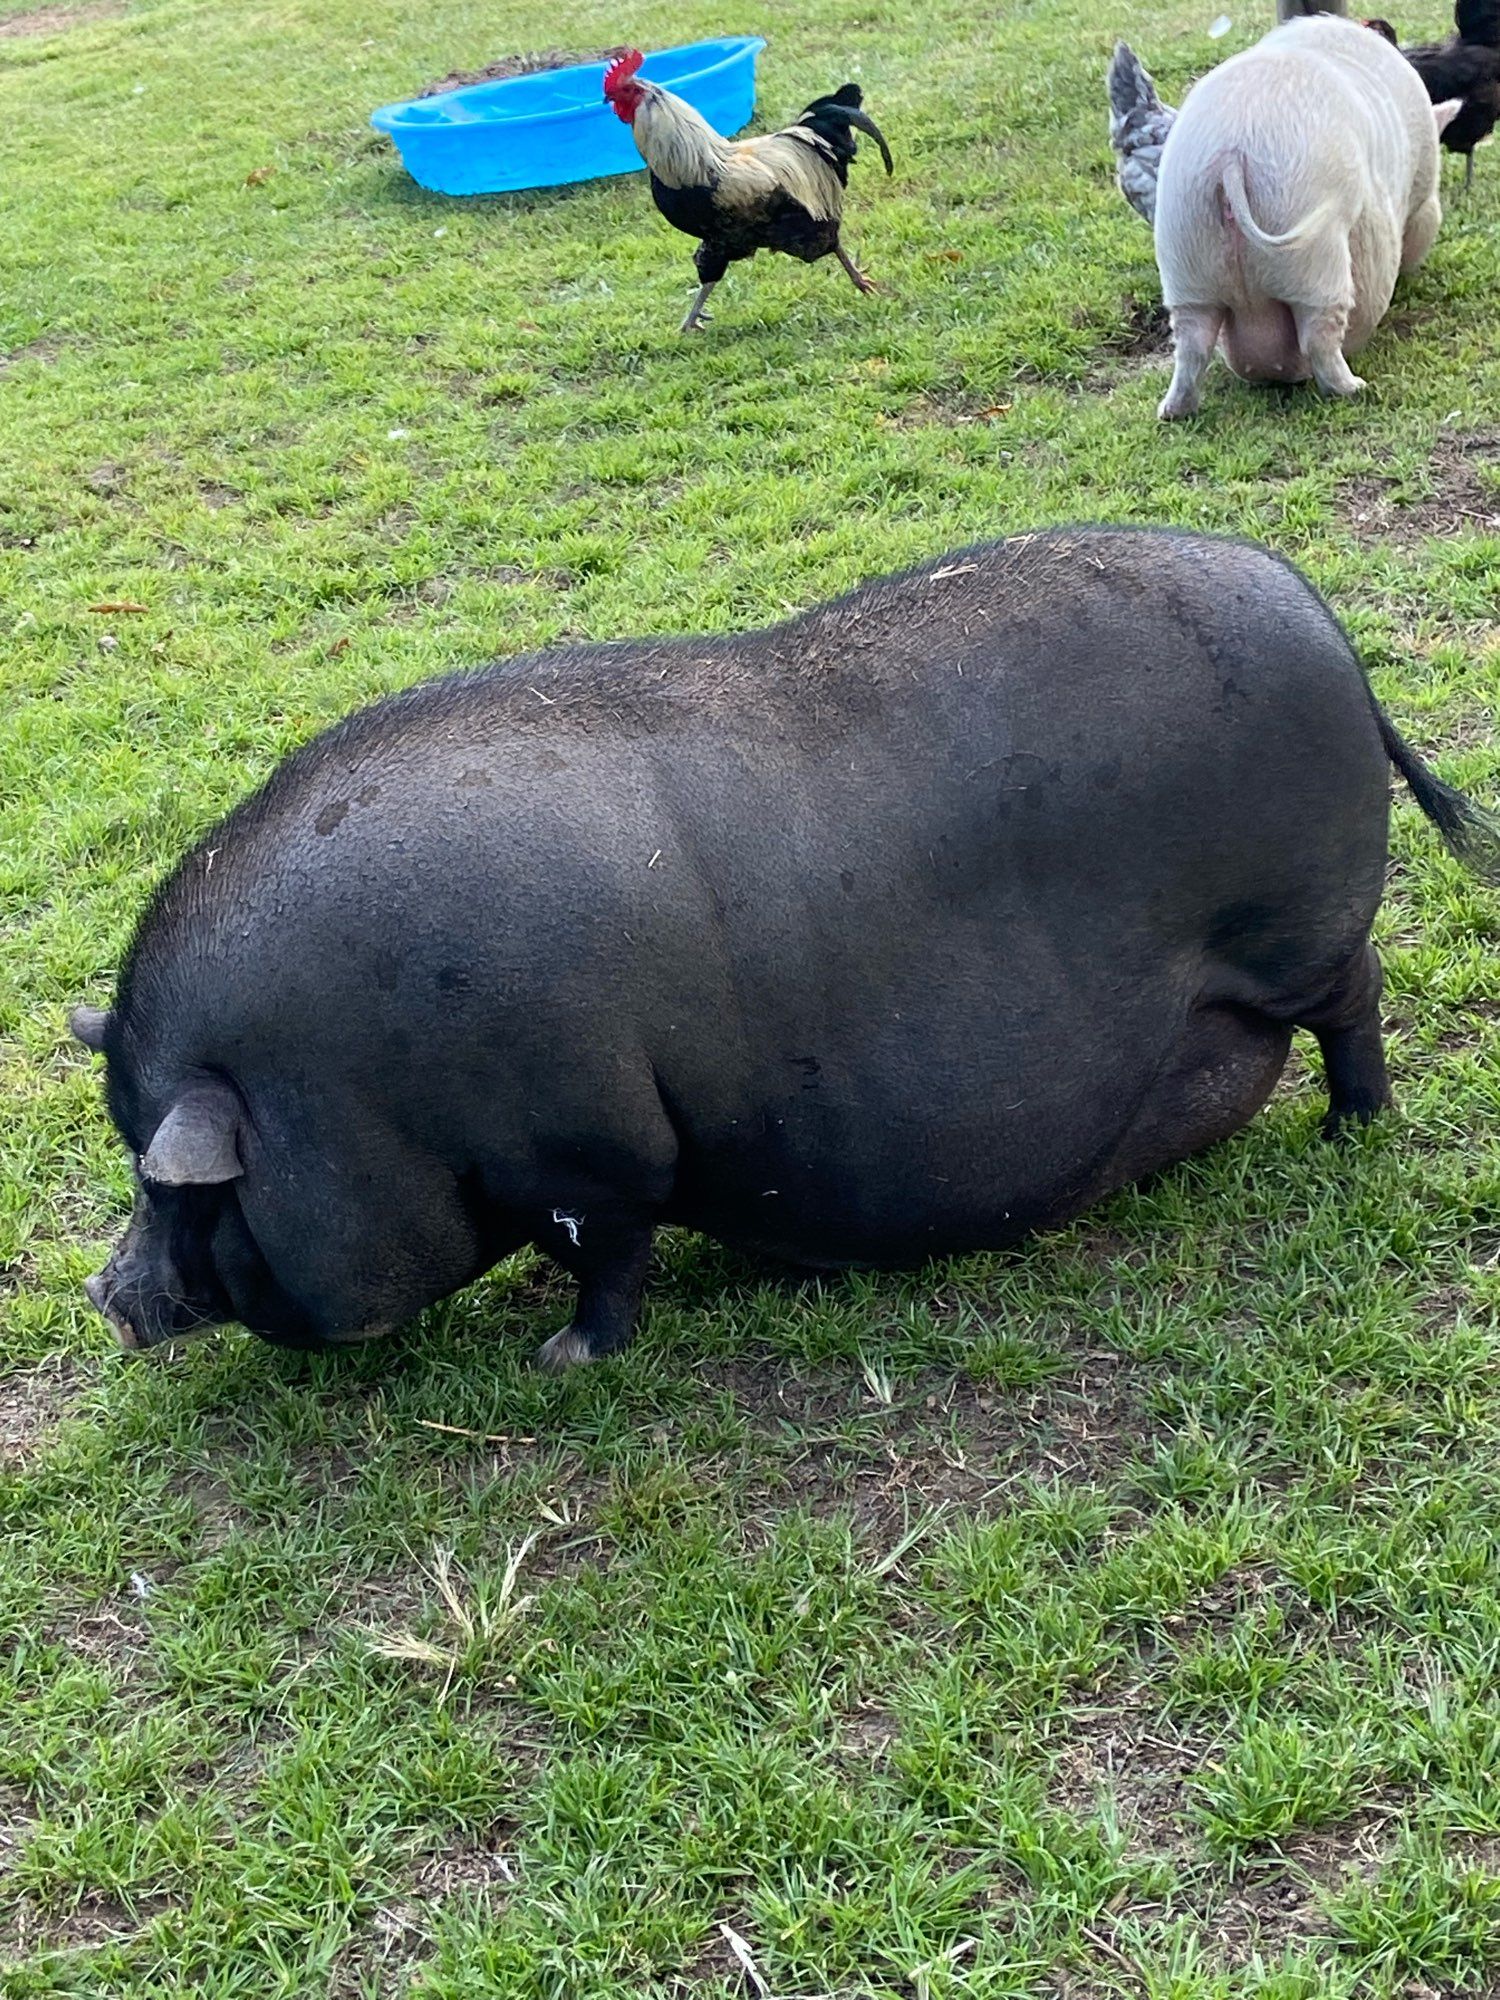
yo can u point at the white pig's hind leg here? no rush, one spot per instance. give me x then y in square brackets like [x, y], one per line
[1320, 333]
[1195, 334]
[1421, 232]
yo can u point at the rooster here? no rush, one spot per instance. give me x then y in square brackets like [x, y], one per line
[1467, 66]
[781, 192]
[1138, 126]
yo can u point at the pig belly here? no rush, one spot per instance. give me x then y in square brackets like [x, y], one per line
[1260, 343]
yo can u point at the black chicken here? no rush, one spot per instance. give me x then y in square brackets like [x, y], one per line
[1466, 67]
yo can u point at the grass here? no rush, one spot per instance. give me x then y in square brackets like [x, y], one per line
[1119, 1618]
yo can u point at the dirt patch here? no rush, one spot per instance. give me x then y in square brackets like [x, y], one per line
[1127, 1760]
[462, 1871]
[519, 65]
[57, 20]
[1281, 1904]
[1250, 1918]
[1146, 333]
[942, 1440]
[111, 1634]
[45, 349]
[1142, 340]
[219, 1517]
[944, 410]
[1464, 494]
[383, 1958]
[93, 1923]
[32, 1405]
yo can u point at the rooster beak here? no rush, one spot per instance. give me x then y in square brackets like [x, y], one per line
[866, 123]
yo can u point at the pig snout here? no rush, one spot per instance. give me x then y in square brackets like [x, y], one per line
[100, 1292]
[143, 1295]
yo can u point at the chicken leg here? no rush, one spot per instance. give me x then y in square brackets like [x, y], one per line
[696, 315]
[856, 276]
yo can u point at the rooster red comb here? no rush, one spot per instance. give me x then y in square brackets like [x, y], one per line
[622, 68]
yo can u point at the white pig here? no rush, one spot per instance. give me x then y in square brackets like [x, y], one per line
[1298, 179]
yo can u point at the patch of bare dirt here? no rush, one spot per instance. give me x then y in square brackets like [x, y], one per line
[57, 20]
[32, 1404]
[385, 1955]
[942, 1440]
[1280, 1904]
[518, 65]
[954, 411]
[219, 1518]
[1143, 339]
[1257, 1916]
[1136, 1765]
[111, 1633]
[46, 348]
[1464, 495]
[1146, 331]
[29, 1931]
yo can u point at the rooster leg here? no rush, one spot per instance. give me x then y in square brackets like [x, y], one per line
[696, 315]
[1469, 173]
[856, 276]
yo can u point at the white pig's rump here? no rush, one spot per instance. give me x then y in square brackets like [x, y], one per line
[1296, 183]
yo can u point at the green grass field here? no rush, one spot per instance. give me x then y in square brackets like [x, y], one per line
[1121, 1618]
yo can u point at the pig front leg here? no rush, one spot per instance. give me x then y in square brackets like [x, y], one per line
[1195, 335]
[1320, 335]
[609, 1257]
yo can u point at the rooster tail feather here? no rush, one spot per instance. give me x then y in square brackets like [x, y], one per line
[834, 114]
[1130, 83]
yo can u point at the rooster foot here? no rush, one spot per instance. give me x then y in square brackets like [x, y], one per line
[696, 316]
[857, 277]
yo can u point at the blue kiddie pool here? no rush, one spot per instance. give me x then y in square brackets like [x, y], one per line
[554, 127]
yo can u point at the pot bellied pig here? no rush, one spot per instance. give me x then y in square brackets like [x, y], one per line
[1297, 180]
[906, 927]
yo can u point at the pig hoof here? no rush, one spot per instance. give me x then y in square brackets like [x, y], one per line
[564, 1350]
[1170, 408]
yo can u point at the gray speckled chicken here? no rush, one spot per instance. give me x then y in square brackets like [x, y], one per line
[1138, 126]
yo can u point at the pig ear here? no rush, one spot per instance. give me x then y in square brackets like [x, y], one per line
[1444, 114]
[195, 1143]
[89, 1025]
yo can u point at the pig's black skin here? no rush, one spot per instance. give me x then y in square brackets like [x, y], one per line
[903, 928]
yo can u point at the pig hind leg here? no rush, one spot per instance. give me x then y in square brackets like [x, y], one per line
[1321, 332]
[1221, 1072]
[1421, 231]
[1347, 1026]
[1195, 334]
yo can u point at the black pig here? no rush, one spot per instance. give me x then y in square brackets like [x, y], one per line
[908, 926]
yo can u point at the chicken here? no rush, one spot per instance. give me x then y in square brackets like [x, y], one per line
[1138, 126]
[1467, 67]
[784, 191]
